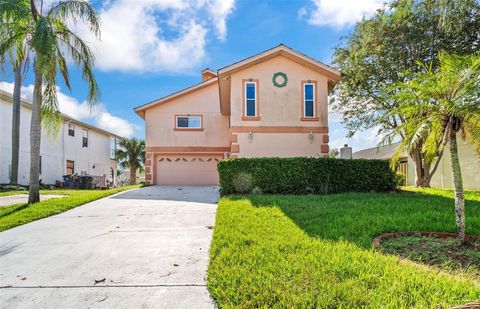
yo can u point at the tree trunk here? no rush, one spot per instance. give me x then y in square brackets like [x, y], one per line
[458, 185]
[133, 175]
[35, 136]
[16, 123]
[422, 169]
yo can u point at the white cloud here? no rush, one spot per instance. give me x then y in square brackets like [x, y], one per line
[156, 35]
[339, 13]
[99, 116]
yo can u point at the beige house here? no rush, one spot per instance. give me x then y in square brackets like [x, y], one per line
[273, 104]
[469, 164]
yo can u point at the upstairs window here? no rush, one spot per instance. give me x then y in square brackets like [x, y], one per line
[113, 147]
[71, 129]
[84, 138]
[309, 100]
[250, 99]
[189, 122]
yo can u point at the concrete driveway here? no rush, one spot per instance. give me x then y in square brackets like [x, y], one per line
[144, 248]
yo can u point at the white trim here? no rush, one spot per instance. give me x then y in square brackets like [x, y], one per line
[305, 100]
[256, 98]
[188, 122]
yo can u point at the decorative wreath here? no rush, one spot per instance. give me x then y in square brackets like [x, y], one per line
[282, 83]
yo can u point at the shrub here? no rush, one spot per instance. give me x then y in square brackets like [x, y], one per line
[243, 182]
[305, 175]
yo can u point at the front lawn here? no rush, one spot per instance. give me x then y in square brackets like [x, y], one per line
[316, 251]
[18, 214]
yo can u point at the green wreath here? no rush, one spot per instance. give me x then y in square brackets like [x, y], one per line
[280, 74]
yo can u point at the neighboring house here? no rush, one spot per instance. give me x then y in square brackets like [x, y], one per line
[77, 148]
[469, 163]
[273, 104]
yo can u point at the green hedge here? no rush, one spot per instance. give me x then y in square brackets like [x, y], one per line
[307, 175]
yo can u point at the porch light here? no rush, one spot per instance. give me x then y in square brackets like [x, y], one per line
[250, 136]
[310, 137]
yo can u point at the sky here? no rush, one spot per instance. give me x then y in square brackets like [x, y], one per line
[151, 48]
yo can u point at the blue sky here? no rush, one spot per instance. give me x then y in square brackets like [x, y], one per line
[150, 48]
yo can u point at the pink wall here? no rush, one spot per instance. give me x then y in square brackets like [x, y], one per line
[278, 106]
[160, 121]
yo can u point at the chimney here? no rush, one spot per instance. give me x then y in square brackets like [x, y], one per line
[346, 152]
[208, 74]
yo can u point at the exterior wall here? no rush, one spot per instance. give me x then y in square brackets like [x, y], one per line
[469, 164]
[55, 149]
[161, 137]
[279, 109]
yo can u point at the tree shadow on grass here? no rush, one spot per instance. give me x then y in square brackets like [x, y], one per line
[11, 209]
[359, 217]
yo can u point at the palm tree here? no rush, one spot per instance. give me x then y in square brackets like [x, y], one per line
[131, 155]
[19, 63]
[50, 38]
[440, 106]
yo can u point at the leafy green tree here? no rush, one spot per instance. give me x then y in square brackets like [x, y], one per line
[51, 40]
[383, 48]
[131, 155]
[334, 153]
[18, 57]
[440, 105]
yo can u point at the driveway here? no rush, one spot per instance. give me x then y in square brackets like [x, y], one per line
[144, 248]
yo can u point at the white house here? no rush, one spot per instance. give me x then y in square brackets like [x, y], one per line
[77, 148]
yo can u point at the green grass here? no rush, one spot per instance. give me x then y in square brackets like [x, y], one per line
[18, 214]
[7, 192]
[316, 251]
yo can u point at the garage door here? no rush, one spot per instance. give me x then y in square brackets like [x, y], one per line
[187, 170]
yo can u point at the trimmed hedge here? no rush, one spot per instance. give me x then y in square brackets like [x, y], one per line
[308, 175]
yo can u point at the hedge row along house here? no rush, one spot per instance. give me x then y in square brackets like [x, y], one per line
[273, 104]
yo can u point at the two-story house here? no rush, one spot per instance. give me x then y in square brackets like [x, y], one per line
[78, 148]
[273, 104]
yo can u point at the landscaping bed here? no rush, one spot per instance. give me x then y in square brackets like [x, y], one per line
[441, 250]
[278, 251]
[18, 214]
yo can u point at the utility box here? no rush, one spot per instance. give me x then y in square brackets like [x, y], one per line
[346, 152]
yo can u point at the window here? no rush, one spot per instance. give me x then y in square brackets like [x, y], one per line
[70, 167]
[189, 122]
[250, 99]
[309, 100]
[85, 138]
[71, 129]
[113, 147]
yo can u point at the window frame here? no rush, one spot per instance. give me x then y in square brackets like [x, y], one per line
[303, 116]
[84, 138]
[245, 117]
[177, 128]
[70, 125]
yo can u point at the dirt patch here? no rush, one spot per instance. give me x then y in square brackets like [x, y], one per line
[440, 250]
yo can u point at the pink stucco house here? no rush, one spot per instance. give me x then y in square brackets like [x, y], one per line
[273, 104]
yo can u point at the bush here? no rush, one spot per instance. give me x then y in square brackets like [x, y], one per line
[306, 175]
[243, 182]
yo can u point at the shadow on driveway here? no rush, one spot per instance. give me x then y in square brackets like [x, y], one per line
[196, 194]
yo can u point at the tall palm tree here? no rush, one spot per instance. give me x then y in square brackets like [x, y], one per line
[19, 62]
[50, 38]
[131, 155]
[439, 106]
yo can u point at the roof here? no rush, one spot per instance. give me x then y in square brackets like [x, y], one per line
[286, 51]
[223, 74]
[140, 110]
[384, 152]
[8, 97]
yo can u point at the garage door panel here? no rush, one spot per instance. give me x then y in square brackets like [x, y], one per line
[187, 170]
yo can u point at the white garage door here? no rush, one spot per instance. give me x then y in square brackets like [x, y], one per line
[187, 170]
